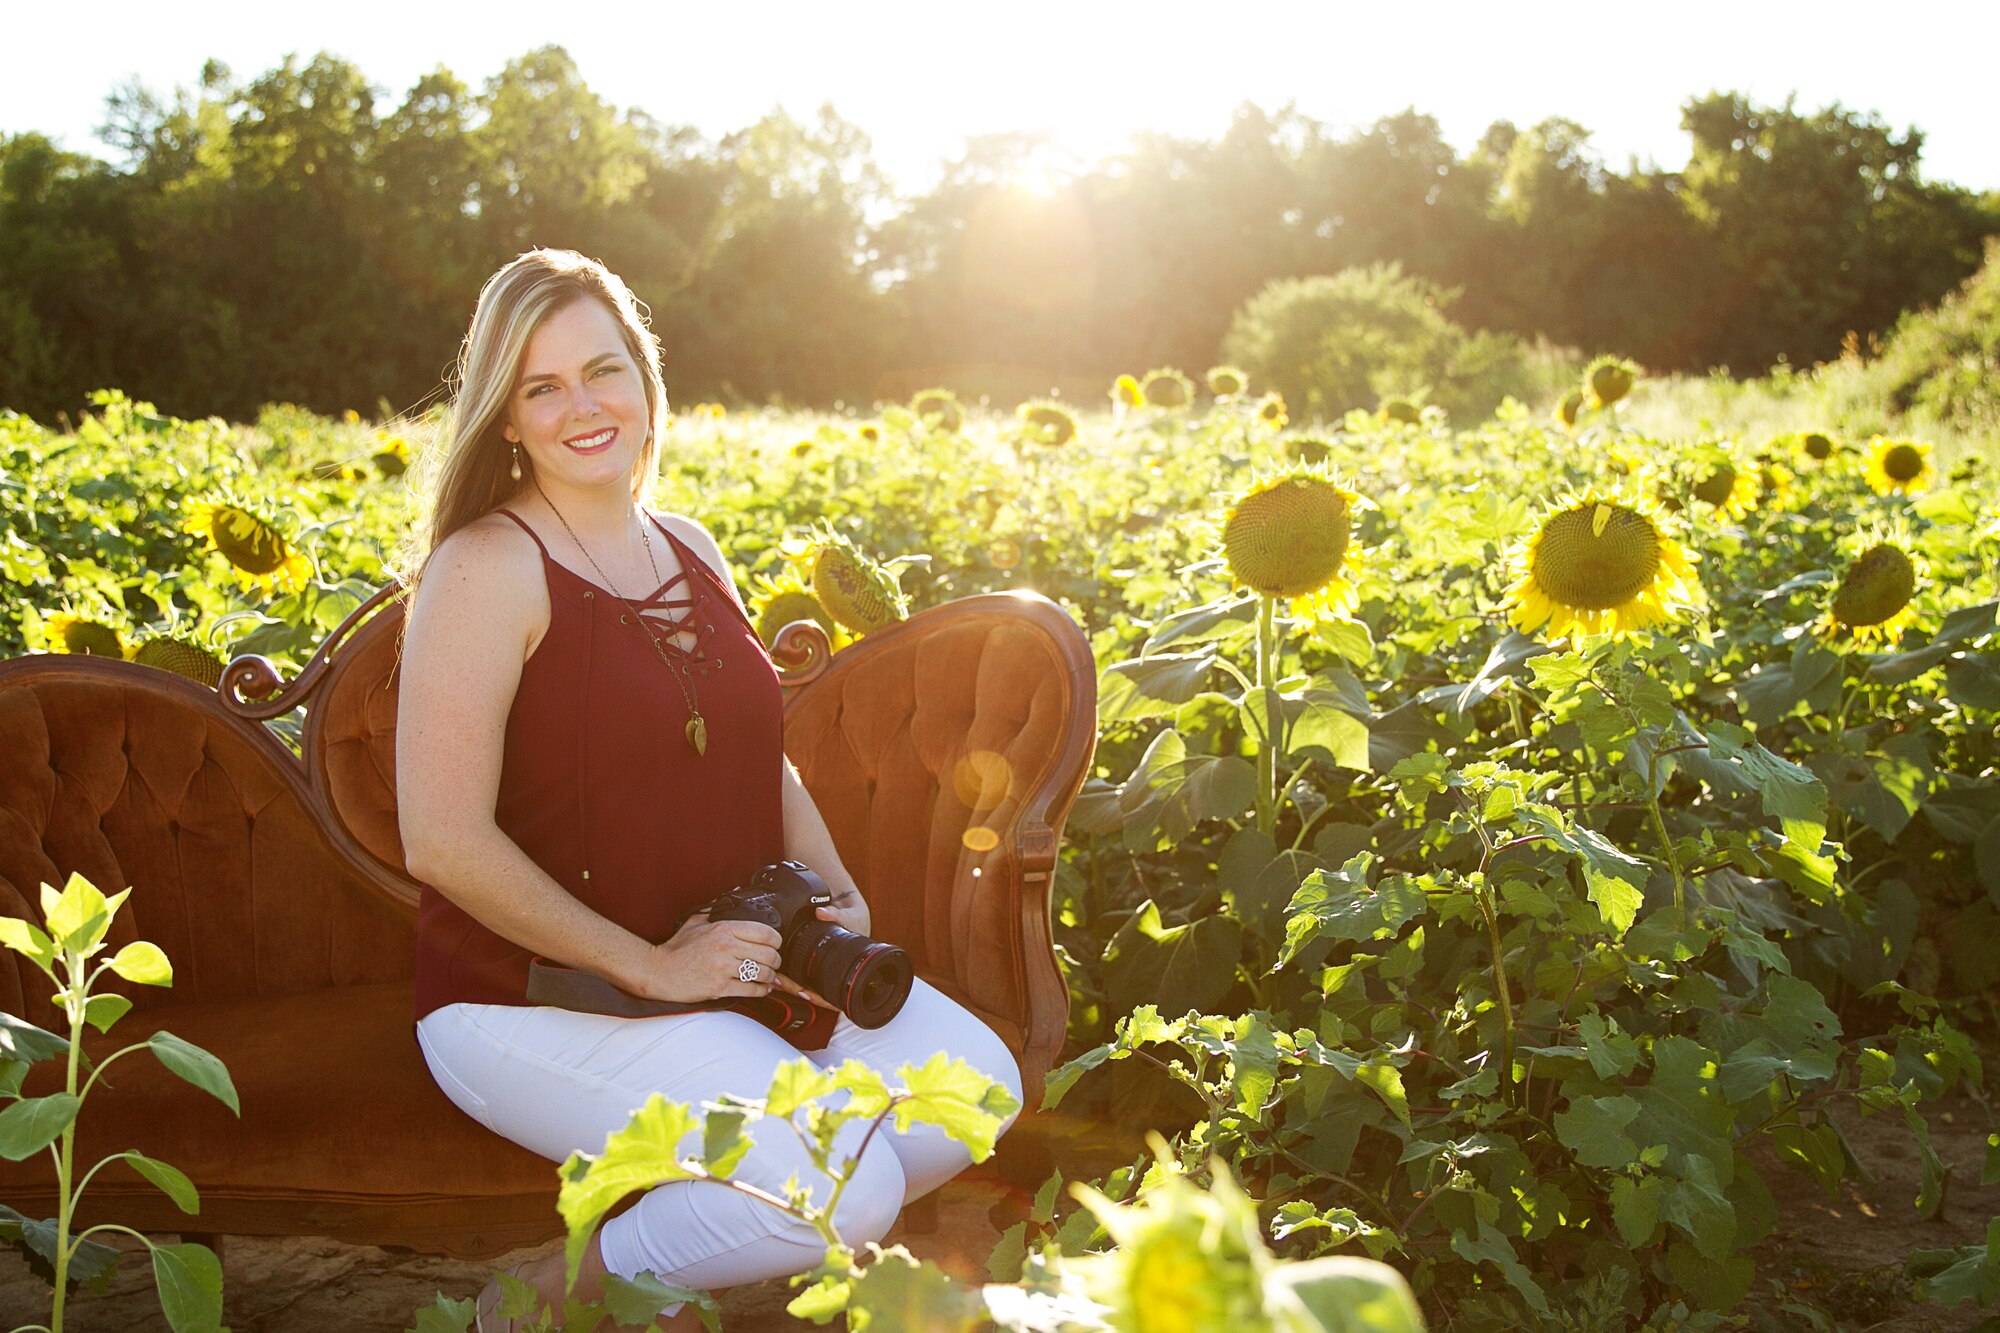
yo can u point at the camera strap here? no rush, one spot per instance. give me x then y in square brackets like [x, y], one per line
[804, 1024]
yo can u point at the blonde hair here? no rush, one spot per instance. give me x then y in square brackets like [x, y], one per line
[467, 475]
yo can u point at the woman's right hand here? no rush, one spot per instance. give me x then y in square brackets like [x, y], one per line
[700, 962]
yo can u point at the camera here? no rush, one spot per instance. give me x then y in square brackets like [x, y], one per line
[866, 979]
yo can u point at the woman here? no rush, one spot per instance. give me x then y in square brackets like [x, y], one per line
[589, 747]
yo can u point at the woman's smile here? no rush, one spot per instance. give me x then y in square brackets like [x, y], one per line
[594, 443]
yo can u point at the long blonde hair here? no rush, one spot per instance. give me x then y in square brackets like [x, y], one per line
[470, 475]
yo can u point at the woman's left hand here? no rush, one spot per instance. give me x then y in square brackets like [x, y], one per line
[848, 911]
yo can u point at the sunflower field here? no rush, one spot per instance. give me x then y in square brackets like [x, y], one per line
[1522, 851]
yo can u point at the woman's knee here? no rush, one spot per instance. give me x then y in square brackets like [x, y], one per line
[873, 1198]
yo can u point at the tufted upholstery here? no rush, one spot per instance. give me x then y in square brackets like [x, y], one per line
[943, 752]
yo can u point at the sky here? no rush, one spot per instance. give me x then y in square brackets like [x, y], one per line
[920, 78]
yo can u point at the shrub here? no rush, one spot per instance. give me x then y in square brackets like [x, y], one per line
[1333, 343]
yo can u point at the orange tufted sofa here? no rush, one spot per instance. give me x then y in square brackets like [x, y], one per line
[944, 753]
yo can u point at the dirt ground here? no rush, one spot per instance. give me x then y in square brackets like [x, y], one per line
[1842, 1257]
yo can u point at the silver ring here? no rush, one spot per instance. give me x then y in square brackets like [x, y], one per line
[749, 971]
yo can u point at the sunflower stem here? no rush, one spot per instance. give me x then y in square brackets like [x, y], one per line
[1274, 717]
[1666, 841]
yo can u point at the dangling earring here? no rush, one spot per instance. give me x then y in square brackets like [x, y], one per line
[514, 470]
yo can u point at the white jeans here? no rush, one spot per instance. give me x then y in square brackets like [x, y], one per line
[557, 1082]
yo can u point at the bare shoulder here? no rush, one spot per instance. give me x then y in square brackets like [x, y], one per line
[699, 540]
[486, 575]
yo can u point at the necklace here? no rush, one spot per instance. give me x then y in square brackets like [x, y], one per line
[697, 726]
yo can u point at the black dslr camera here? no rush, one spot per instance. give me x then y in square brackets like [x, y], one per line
[867, 980]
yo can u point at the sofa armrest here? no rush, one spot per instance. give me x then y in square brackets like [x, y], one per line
[944, 754]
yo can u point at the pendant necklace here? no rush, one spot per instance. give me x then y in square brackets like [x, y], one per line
[697, 726]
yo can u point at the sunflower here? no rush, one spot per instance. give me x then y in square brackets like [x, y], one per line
[393, 458]
[938, 409]
[855, 591]
[1774, 482]
[1043, 422]
[1271, 412]
[1600, 562]
[1400, 410]
[1166, 388]
[1227, 382]
[1876, 598]
[1723, 483]
[1311, 450]
[1125, 392]
[1608, 379]
[257, 550]
[872, 433]
[776, 603]
[1899, 465]
[69, 632]
[1818, 445]
[1569, 408]
[181, 657]
[1291, 534]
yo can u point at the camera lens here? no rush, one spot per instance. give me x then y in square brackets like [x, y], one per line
[868, 980]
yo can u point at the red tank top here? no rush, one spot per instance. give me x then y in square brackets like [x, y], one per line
[599, 785]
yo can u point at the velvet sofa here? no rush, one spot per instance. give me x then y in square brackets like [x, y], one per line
[944, 753]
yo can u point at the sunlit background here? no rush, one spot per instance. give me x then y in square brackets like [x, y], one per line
[921, 78]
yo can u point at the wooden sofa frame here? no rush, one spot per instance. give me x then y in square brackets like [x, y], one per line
[944, 753]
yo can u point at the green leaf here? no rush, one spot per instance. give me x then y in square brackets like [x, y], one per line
[189, 1278]
[643, 1154]
[795, 1083]
[1714, 1285]
[80, 914]
[1559, 673]
[23, 1041]
[1223, 622]
[1491, 1245]
[1149, 687]
[1339, 905]
[823, 1301]
[1986, 859]
[1973, 681]
[1788, 792]
[1386, 1082]
[1253, 1062]
[1594, 1129]
[101, 1011]
[958, 1098]
[30, 1125]
[1816, 1151]
[197, 1066]
[25, 937]
[1946, 507]
[632, 1304]
[1191, 966]
[1349, 639]
[1614, 880]
[1683, 1109]
[90, 1264]
[1635, 1208]
[723, 1142]
[1063, 1079]
[1697, 1205]
[1320, 724]
[896, 1293]
[445, 1315]
[144, 964]
[170, 1181]
[1340, 1294]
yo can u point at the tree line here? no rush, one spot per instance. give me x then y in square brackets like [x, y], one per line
[295, 238]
